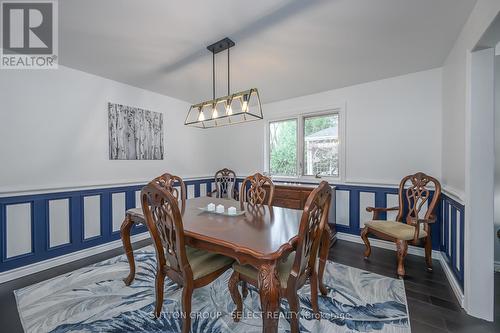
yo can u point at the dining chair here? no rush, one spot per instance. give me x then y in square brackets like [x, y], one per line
[189, 267]
[412, 224]
[257, 192]
[168, 181]
[225, 185]
[171, 183]
[298, 266]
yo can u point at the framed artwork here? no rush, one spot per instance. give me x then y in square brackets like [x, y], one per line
[134, 133]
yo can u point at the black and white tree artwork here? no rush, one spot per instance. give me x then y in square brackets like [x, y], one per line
[134, 133]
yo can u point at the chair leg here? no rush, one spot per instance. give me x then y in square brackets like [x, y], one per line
[187, 293]
[402, 250]
[293, 302]
[428, 253]
[324, 248]
[364, 237]
[160, 279]
[244, 289]
[314, 293]
[127, 246]
[235, 295]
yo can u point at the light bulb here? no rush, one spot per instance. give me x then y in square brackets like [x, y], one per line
[201, 116]
[215, 114]
[244, 105]
[229, 110]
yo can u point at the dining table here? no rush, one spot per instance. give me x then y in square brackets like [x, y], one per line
[261, 237]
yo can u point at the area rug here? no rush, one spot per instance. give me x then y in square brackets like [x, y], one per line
[95, 299]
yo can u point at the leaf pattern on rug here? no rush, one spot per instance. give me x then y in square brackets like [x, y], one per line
[94, 298]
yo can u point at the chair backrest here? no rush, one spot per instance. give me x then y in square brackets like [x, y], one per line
[225, 183]
[168, 181]
[312, 224]
[164, 222]
[256, 193]
[415, 191]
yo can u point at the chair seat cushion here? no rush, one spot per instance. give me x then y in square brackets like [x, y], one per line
[284, 269]
[398, 230]
[136, 212]
[204, 263]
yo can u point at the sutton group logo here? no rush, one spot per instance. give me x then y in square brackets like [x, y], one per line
[29, 35]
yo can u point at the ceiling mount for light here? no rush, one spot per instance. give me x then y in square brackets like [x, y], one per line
[243, 106]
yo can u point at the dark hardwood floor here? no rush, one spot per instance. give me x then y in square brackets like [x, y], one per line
[432, 304]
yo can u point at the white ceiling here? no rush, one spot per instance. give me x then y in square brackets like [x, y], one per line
[284, 48]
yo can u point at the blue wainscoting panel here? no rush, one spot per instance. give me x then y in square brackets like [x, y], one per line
[118, 204]
[366, 199]
[392, 200]
[88, 218]
[453, 233]
[342, 209]
[358, 198]
[38, 227]
[59, 222]
[19, 227]
[92, 216]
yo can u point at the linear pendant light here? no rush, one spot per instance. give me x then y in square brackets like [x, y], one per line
[240, 107]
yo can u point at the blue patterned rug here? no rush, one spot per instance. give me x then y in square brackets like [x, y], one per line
[94, 299]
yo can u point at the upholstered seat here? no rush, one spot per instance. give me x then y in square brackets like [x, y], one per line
[204, 263]
[136, 212]
[398, 230]
[284, 269]
[418, 196]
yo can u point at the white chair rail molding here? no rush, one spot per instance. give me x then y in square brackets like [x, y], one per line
[273, 166]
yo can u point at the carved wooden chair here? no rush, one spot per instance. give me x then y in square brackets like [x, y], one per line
[136, 216]
[414, 227]
[298, 266]
[189, 267]
[167, 181]
[225, 185]
[257, 194]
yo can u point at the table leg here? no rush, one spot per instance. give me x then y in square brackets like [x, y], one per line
[127, 246]
[323, 257]
[269, 290]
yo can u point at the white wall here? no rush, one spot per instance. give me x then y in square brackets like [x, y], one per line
[497, 160]
[53, 128]
[454, 95]
[392, 129]
[459, 146]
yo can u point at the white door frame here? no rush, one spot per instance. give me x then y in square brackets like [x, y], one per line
[479, 184]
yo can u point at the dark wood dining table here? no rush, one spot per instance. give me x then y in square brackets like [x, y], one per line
[260, 237]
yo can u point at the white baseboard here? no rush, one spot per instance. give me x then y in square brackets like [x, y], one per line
[455, 286]
[49, 263]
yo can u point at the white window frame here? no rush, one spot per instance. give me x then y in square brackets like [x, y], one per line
[299, 116]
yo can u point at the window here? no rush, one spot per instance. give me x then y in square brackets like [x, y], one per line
[283, 147]
[308, 145]
[321, 145]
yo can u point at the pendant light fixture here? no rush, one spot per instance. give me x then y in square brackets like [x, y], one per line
[243, 106]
